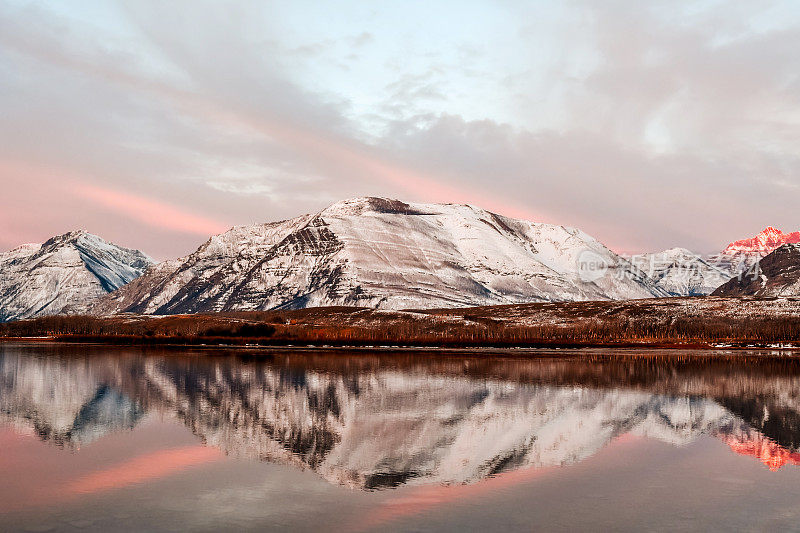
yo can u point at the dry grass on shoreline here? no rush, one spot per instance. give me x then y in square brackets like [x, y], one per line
[664, 322]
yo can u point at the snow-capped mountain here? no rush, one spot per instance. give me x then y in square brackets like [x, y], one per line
[778, 274]
[68, 271]
[742, 255]
[681, 272]
[383, 253]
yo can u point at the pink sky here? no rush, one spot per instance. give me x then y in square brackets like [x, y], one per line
[646, 127]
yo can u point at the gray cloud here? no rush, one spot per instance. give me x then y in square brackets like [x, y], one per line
[656, 125]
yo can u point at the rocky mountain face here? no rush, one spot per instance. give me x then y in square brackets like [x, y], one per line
[742, 255]
[366, 252]
[680, 272]
[69, 271]
[778, 274]
[375, 252]
[372, 426]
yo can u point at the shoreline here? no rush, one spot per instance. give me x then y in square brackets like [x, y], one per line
[699, 323]
[533, 349]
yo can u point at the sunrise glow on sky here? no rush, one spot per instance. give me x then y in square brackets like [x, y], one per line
[155, 124]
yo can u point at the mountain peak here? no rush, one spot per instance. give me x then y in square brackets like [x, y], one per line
[70, 236]
[66, 271]
[770, 453]
[762, 244]
[678, 252]
[771, 235]
[680, 272]
[363, 204]
[392, 206]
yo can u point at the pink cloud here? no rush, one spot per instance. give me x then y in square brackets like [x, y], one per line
[148, 467]
[360, 158]
[426, 498]
[45, 477]
[354, 157]
[42, 200]
[151, 212]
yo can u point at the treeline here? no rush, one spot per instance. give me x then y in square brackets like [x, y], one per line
[170, 326]
[337, 327]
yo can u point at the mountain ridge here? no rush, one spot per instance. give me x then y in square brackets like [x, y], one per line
[384, 253]
[742, 255]
[681, 272]
[368, 252]
[776, 275]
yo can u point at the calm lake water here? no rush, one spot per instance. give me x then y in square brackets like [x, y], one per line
[98, 439]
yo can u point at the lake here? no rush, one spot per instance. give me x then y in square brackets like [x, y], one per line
[98, 438]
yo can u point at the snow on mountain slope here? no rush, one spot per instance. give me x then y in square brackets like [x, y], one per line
[376, 252]
[740, 256]
[70, 270]
[778, 274]
[681, 272]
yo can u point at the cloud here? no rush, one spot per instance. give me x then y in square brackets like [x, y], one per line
[147, 467]
[361, 39]
[315, 141]
[35, 464]
[150, 212]
[422, 499]
[647, 125]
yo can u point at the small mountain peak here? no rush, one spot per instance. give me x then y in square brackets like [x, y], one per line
[678, 251]
[68, 237]
[363, 204]
[769, 230]
[765, 242]
[770, 453]
[79, 268]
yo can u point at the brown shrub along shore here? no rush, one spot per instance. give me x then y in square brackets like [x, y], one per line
[577, 325]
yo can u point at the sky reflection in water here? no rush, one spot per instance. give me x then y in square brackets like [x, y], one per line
[100, 437]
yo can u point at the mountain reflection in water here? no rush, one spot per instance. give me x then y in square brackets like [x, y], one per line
[376, 421]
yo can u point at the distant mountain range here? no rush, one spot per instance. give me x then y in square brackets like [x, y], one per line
[680, 272]
[741, 256]
[370, 252]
